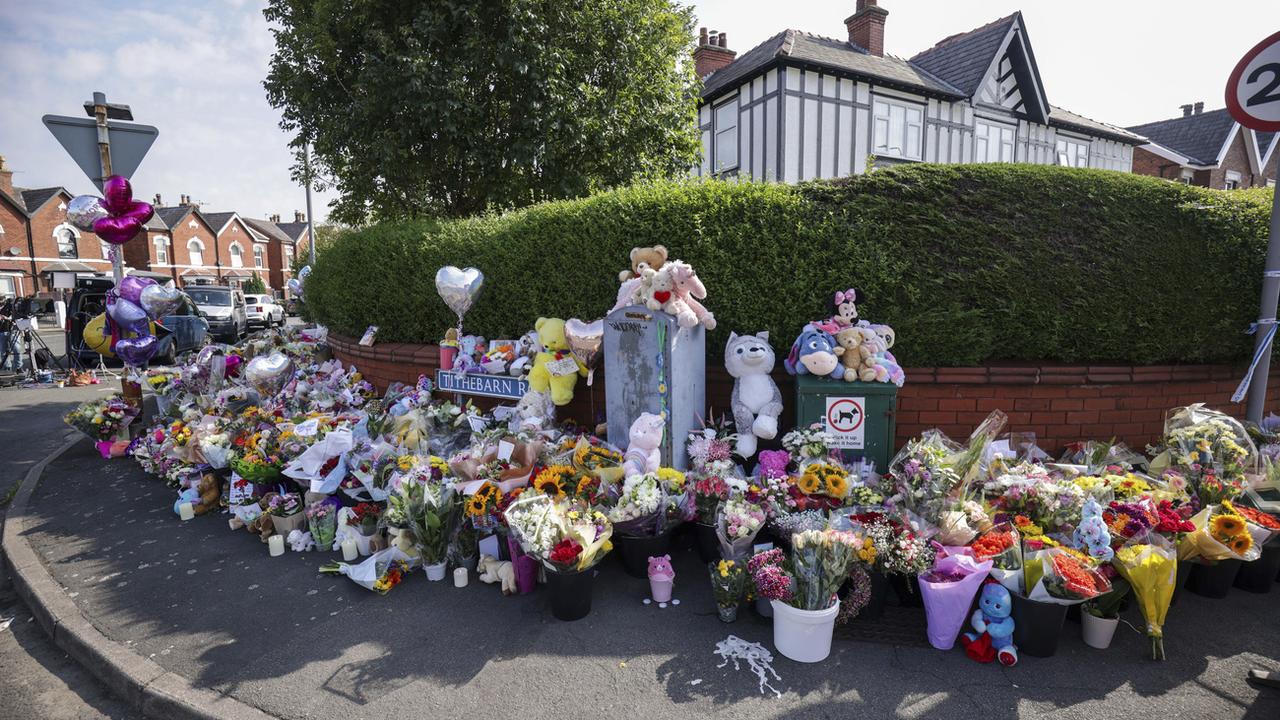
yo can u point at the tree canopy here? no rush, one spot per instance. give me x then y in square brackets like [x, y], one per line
[451, 107]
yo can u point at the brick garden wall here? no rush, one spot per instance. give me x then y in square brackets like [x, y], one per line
[1059, 403]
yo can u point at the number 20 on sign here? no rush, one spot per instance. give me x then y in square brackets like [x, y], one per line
[1253, 91]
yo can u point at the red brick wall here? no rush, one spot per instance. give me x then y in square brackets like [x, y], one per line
[1149, 163]
[182, 234]
[50, 216]
[280, 266]
[1236, 159]
[1060, 404]
[235, 232]
[14, 224]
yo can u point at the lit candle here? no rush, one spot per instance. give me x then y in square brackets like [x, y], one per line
[460, 577]
[185, 511]
[276, 545]
[350, 551]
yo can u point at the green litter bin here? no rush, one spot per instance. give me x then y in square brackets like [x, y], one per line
[860, 416]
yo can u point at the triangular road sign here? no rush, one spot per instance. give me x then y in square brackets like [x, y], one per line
[79, 137]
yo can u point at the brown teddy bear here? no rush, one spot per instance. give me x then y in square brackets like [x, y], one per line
[262, 526]
[644, 257]
[859, 349]
[210, 489]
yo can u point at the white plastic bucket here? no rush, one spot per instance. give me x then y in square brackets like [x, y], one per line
[435, 573]
[1097, 631]
[803, 635]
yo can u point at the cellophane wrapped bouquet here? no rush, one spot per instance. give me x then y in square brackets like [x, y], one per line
[104, 419]
[565, 535]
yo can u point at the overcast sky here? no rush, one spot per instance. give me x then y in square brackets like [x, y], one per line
[195, 70]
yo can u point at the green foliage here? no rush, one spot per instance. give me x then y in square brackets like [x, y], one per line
[451, 107]
[969, 263]
[254, 285]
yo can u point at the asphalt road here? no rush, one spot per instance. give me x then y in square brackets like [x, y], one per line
[212, 606]
[37, 679]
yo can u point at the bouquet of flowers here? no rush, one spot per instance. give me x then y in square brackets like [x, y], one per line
[567, 536]
[322, 519]
[364, 518]
[1001, 545]
[824, 484]
[737, 524]
[431, 507]
[104, 419]
[1221, 533]
[1151, 567]
[640, 510]
[284, 504]
[379, 572]
[776, 494]
[770, 576]
[728, 584]
[710, 451]
[948, 590]
[259, 460]
[589, 455]
[820, 561]
[788, 524]
[1212, 448]
[1070, 578]
[708, 492]
[892, 546]
[807, 445]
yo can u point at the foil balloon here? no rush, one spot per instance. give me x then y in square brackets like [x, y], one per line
[268, 373]
[206, 373]
[97, 337]
[136, 351]
[585, 340]
[127, 315]
[131, 287]
[304, 273]
[159, 300]
[459, 288]
[295, 287]
[126, 216]
[84, 210]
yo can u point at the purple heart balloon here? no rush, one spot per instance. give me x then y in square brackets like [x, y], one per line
[117, 194]
[116, 231]
[131, 287]
[127, 314]
[135, 352]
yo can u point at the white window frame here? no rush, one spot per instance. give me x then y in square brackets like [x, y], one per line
[895, 124]
[8, 286]
[106, 249]
[75, 241]
[197, 255]
[286, 254]
[1072, 151]
[1186, 176]
[724, 125]
[237, 255]
[161, 244]
[259, 257]
[1232, 181]
[1005, 137]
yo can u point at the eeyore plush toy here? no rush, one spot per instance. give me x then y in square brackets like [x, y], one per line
[814, 352]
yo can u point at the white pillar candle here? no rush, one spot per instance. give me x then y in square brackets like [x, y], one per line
[276, 544]
[460, 577]
[350, 551]
[185, 511]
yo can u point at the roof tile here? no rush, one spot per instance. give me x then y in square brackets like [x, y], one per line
[1199, 137]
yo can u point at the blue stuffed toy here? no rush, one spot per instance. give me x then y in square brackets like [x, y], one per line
[814, 352]
[993, 622]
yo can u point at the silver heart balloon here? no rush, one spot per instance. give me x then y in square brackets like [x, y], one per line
[84, 210]
[269, 373]
[459, 288]
[160, 300]
[585, 340]
[304, 273]
[127, 315]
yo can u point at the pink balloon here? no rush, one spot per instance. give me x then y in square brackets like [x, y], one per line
[117, 194]
[233, 365]
[117, 230]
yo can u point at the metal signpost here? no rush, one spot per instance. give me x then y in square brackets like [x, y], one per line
[1253, 98]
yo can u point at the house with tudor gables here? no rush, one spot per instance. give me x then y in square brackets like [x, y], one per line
[800, 106]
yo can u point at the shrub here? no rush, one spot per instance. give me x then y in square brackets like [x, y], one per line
[969, 263]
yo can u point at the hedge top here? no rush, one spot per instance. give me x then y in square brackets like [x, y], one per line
[969, 263]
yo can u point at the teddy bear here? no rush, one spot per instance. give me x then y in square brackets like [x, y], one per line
[849, 342]
[643, 455]
[814, 352]
[534, 412]
[756, 400]
[492, 570]
[662, 578]
[644, 257]
[555, 370]
[525, 351]
[993, 625]
[688, 290]
[262, 526]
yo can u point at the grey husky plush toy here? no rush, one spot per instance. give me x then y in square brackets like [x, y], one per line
[756, 401]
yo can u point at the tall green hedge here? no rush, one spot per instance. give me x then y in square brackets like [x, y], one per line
[969, 263]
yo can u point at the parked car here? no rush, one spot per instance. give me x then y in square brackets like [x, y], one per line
[263, 311]
[188, 330]
[224, 308]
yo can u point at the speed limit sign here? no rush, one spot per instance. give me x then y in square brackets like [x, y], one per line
[1253, 91]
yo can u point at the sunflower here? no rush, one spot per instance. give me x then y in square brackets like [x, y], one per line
[836, 483]
[1227, 526]
[1241, 543]
[809, 483]
[587, 486]
[551, 480]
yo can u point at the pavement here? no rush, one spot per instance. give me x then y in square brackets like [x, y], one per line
[211, 606]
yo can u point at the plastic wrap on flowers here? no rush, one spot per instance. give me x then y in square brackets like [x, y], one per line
[1002, 545]
[1221, 534]
[948, 591]
[315, 468]
[379, 572]
[737, 524]
[1151, 567]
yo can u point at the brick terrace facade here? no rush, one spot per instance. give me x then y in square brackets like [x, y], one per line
[182, 242]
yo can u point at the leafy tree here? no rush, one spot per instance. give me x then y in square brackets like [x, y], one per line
[452, 107]
[254, 285]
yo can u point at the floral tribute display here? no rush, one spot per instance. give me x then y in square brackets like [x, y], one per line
[299, 451]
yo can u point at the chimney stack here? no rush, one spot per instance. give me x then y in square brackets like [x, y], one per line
[712, 52]
[156, 201]
[1199, 107]
[6, 178]
[299, 216]
[274, 218]
[866, 27]
[1186, 109]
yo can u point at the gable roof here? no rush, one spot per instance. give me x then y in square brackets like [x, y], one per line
[218, 221]
[839, 55]
[32, 200]
[173, 215]
[963, 59]
[295, 230]
[268, 228]
[1199, 137]
[1266, 144]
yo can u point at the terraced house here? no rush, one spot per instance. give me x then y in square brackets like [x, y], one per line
[800, 106]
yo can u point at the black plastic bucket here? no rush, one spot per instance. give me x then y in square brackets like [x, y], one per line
[1037, 626]
[1213, 580]
[570, 594]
